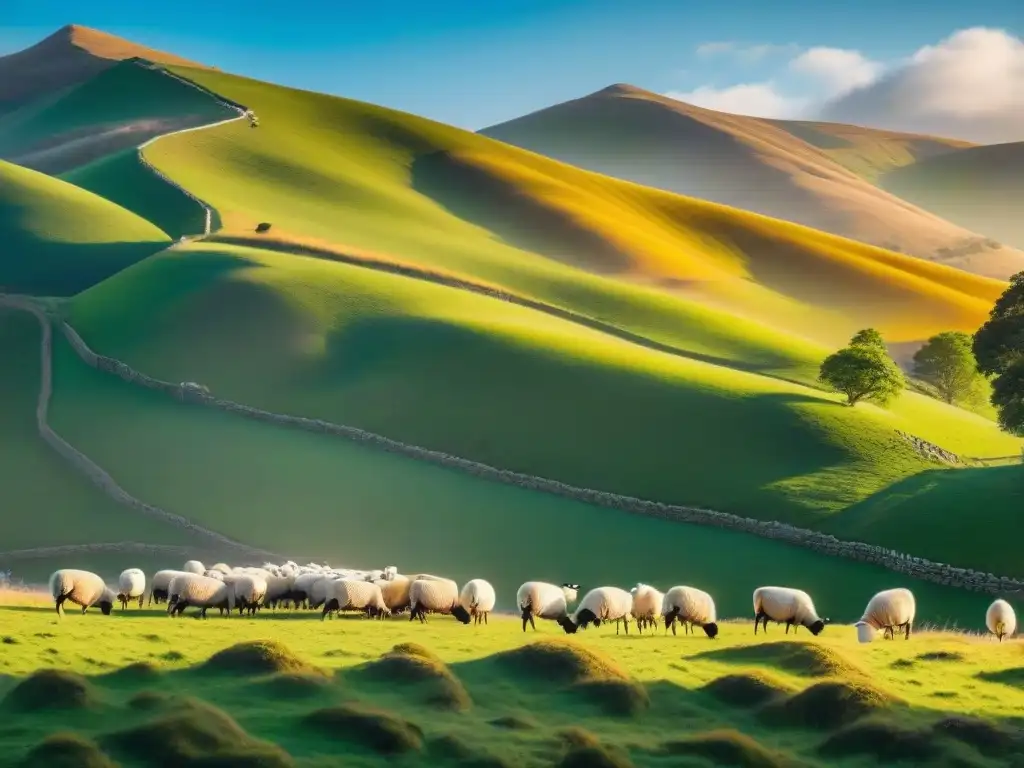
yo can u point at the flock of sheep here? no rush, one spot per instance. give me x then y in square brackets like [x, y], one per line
[382, 593]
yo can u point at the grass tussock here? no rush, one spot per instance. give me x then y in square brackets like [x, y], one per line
[990, 739]
[195, 735]
[727, 747]
[595, 756]
[148, 700]
[67, 750]
[883, 740]
[794, 657]
[752, 689]
[8, 640]
[575, 737]
[450, 747]
[616, 698]
[514, 723]
[940, 656]
[559, 662]
[51, 689]
[137, 673]
[291, 685]
[827, 705]
[378, 730]
[411, 664]
[257, 657]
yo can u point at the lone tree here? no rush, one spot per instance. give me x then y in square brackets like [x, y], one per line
[863, 370]
[999, 351]
[947, 362]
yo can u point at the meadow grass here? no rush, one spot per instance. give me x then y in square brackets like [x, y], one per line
[285, 689]
[59, 239]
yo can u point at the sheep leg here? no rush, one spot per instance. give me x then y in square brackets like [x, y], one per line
[140, 600]
[59, 603]
[788, 625]
[625, 623]
[907, 636]
[485, 616]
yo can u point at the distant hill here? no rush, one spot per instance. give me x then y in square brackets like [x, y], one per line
[796, 171]
[981, 188]
[71, 55]
[58, 239]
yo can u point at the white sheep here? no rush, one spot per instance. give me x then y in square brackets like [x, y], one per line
[159, 585]
[395, 591]
[250, 592]
[302, 588]
[390, 572]
[354, 595]
[435, 595]
[889, 610]
[131, 584]
[784, 604]
[540, 598]
[1001, 620]
[278, 589]
[212, 574]
[690, 606]
[601, 604]
[647, 603]
[201, 592]
[193, 566]
[83, 588]
[478, 598]
[222, 567]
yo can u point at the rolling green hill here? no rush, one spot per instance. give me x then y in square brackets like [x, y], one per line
[812, 173]
[59, 239]
[981, 188]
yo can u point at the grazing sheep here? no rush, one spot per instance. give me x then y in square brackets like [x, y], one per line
[250, 592]
[889, 610]
[601, 604]
[201, 592]
[690, 606]
[390, 572]
[83, 588]
[131, 584]
[1001, 620]
[222, 567]
[318, 590]
[646, 605]
[193, 566]
[354, 595]
[435, 595]
[302, 588]
[278, 589]
[212, 574]
[395, 591]
[159, 585]
[783, 604]
[539, 598]
[478, 598]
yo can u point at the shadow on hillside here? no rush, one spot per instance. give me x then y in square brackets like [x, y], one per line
[46, 268]
[479, 197]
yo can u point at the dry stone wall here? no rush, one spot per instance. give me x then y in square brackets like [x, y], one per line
[899, 562]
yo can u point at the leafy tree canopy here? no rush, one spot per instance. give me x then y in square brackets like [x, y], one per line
[947, 362]
[999, 350]
[863, 370]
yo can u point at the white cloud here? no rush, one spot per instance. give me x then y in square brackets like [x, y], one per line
[745, 53]
[970, 85]
[838, 70]
[754, 99]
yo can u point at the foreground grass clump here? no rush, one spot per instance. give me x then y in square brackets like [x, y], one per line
[52, 689]
[257, 657]
[828, 704]
[806, 659]
[728, 747]
[410, 665]
[67, 750]
[378, 730]
[747, 690]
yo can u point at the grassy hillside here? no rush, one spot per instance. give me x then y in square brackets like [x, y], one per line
[119, 108]
[426, 364]
[59, 239]
[981, 188]
[71, 55]
[288, 691]
[797, 172]
[46, 503]
[477, 207]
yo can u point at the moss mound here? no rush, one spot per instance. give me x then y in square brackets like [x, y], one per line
[903, 664]
[148, 700]
[291, 685]
[727, 747]
[563, 662]
[450, 747]
[514, 723]
[594, 756]
[383, 732]
[51, 689]
[132, 674]
[67, 750]
[989, 738]
[575, 737]
[827, 705]
[1013, 676]
[940, 656]
[883, 740]
[411, 665]
[258, 657]
[795, 657]
[8, 640]
[196, 734]
[746, 690]
[617, 698]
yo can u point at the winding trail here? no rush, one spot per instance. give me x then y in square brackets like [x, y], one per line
[96, 474]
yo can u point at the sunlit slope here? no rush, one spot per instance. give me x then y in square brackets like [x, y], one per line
[754, 164]
[981, 188]
[507, 386]
[342, 172]
[45, 502]
[69, 56]
[120, 107]
[869, 152]
[58, 239]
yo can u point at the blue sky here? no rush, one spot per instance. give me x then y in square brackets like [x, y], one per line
[473, 63]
